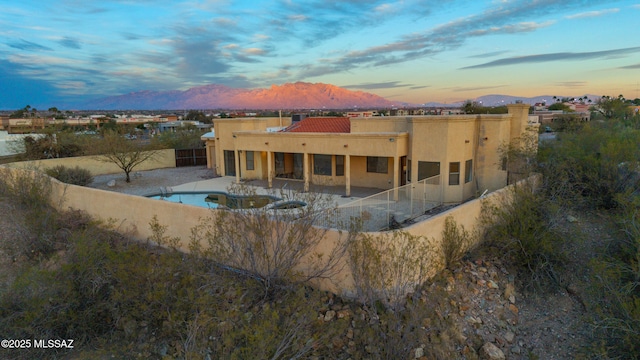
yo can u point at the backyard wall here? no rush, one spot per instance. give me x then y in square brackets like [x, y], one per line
[164, 159]
[133, 214]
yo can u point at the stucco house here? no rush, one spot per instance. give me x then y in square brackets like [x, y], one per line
[459, 151]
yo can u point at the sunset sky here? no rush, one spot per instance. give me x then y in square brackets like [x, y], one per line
[57, 52]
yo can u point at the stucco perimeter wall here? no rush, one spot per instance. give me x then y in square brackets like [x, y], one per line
[430, 230]
[165, 158]
[132, 216]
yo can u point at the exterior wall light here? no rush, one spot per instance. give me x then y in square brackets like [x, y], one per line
[392, 139]
[303, 144]
[346, 145]
[267, 143]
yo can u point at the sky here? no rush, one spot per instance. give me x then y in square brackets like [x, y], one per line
[60, 52]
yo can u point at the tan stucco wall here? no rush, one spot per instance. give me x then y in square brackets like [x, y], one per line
[444, 139]
[131, 215]
[163, 159]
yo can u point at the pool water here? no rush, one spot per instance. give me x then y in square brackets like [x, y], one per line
[215, 199]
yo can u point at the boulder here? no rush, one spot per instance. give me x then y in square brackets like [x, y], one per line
[491, 352]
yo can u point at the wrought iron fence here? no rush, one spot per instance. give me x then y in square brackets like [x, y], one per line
[386, 209]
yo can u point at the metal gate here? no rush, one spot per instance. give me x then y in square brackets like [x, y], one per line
[191, 157]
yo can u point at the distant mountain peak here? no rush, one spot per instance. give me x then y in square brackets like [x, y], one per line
[298, 95]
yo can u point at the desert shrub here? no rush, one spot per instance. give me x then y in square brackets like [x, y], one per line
[276, 247]
[456, 242]
[124, 297]
[522, 230]
[31, 190]
[28, 187]
[388, 266]
[591, 167]
[615, 307]
[74, 176]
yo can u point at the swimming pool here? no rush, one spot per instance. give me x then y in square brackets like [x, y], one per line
[214, 199]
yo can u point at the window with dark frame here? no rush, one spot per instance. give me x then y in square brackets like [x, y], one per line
[376, 164]
[427, 169]
[229, 163]
[279, 159]
[454, 173]
[468, 171]
[339, 165]
[322, 165]
[250, 160]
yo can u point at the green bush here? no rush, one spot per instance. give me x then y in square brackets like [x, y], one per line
[74, 176]
[522, 230]
[616, 296]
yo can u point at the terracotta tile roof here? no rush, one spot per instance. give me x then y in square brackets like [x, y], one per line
[321, 124]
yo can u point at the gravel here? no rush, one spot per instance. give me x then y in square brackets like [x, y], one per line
[151, 181]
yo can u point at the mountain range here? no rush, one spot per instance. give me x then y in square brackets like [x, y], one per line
[299, 95]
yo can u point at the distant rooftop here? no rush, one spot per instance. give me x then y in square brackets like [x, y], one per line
[321, 125]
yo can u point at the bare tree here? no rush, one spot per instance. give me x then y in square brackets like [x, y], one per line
[124, 153]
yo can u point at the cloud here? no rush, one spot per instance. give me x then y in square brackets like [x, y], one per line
[69, 43]
[503, 18]
[631, 67]
[557, 57]
[297, 17]
[590, 14]
[254, 51]
[489, 54]
[511, 28]
[19, 90]
[571, 84]
[39, 60]
[380, 85]
[28, 45]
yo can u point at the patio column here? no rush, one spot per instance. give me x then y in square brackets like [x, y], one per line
[269, 169]
[236, 156]
[396, 176]
[347, 174]
[305, 171]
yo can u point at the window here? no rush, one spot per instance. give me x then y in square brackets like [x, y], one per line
[427, 169]
[298, 166]
[468, 171]
[250, 162]
[454, 173]
[339, 165]
[229, 163]
[322, 165]
[377, 164]
[279, 157]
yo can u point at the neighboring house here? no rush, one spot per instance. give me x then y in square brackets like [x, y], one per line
[176, 125]
[548, 117]
[461, 152]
